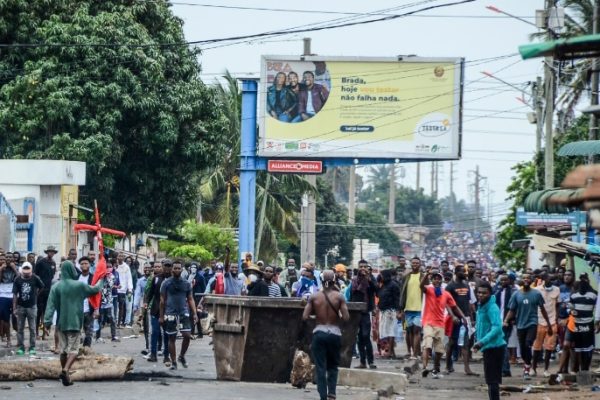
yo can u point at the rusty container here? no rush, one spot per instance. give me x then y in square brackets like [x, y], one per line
[255, 338]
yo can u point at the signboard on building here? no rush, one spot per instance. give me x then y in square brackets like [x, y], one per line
[536, 219]
[295, 166]
[69, 194]
[340, 107]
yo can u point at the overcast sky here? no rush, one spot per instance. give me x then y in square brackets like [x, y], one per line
[496, 133]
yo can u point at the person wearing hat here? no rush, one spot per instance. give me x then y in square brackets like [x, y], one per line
[45, 269]
[25, 291]
[436, 301]
[340, 276]
[253, 275]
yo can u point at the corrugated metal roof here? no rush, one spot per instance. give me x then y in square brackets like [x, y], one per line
[544, 201]
[565, 48]
[580, 148]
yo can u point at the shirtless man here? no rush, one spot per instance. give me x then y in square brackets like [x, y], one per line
[329, 306]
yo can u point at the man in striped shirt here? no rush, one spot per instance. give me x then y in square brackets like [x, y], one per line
[580, 332]
[266, 287]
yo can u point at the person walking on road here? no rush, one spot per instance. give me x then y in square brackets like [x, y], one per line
[490, 339]
[66, 298]
[524, 305]
[330, 307]
[437, 300]
[25, 290]
[177, 309]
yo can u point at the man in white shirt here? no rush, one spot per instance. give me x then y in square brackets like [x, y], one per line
[88, 313]
[125, 291]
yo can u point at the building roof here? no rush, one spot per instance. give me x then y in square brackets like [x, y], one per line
[42, 172]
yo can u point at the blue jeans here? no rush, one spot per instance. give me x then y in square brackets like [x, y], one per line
[326, 355]
[156, 333]
[506, 364]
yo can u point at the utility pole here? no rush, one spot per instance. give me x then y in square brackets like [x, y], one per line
[538, 93]
[452, 188]
[433, 179]
[593, 133]
[418, 176]
[309, 207]
[477, 199]
[549, 114]
[437, 174]
[351, 195]
[392, 199]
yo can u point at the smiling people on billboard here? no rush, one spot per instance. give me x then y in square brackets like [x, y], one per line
[292, 100]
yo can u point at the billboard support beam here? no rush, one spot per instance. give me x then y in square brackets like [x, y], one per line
[248, 167]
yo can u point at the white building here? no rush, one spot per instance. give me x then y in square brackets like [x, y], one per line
[38, 193]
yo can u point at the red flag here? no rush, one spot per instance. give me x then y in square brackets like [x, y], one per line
[101, 265]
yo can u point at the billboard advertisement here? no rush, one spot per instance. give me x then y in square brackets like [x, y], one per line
[340, 107]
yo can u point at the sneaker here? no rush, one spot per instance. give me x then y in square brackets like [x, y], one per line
[436, 375]
[152, 358]
[372, 366]
[173, 367]
[449, 371]
[99, 340]
[128, 326]
[425, 372]
[21, 352]
[32, 351]
[533, 373]
[115, 339]
[145, 352]
[181, 359]
[167, 361]
[361, 366]
[547, 373]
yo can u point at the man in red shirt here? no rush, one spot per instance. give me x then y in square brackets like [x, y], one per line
[436, 302]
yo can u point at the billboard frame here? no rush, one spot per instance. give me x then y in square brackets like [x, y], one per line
[336, 158]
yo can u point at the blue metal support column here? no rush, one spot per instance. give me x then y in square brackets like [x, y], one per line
[247, 217]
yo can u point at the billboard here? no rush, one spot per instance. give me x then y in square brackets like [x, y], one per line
[339, 107]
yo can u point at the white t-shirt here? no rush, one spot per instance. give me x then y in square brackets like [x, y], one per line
[551, 297]
[86, 303]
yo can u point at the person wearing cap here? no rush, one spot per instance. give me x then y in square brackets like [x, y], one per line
[340, 276]
[25, 290]
[45, 269]
[437, 300]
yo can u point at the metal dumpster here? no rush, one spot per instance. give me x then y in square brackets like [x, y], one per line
[255, 338]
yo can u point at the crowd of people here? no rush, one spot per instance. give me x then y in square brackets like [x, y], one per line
[443, 311]
[456, 246]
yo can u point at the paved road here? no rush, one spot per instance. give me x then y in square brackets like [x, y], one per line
[154, 380]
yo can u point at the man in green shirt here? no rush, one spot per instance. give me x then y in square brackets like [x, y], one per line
[66, 298]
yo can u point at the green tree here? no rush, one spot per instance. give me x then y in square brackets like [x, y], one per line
[332, 228]
[508, 230]
[134, 110]
[528, 179]
[372, 226]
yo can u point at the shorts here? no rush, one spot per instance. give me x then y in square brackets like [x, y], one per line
[175, 322]
[387, 324]
[5, 309]
[68, 341]
[543, 340]
[412, 318]
[433, 338]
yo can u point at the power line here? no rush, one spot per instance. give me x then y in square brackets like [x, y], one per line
[240, 37]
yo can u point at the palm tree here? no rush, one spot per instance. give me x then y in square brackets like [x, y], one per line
[277, 196]
[574, 76]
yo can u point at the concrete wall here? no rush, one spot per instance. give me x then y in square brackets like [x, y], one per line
[42, 180]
